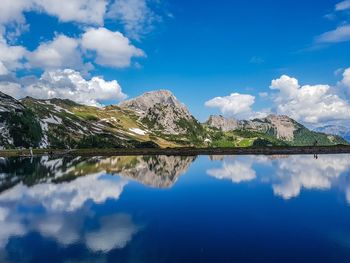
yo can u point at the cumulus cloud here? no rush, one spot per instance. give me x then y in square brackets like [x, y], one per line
[69, 84]
[235, 104]
[12, 11]
[61, 52]
[340, 34]
[135, 15]
[3, 69]
[346, 78]
[309, 104]
[11, 88]
[11, 56]
[66, 84]
[83, 11]
[344, 5]
[111, 48]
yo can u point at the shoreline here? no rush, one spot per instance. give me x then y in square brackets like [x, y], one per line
[294, 150]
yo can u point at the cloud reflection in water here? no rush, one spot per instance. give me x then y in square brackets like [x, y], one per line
[288, 175]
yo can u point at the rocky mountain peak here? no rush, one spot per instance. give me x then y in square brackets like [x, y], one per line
[161, 111]
[150, 99]
[283, 126]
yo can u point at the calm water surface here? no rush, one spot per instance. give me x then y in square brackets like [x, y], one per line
[175, 209]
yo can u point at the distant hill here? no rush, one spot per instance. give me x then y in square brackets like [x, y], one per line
[272, 130]
[154, 119]
[339, 130]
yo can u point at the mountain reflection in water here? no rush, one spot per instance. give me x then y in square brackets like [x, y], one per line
[102, 208]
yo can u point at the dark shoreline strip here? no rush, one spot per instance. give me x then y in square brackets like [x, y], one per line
[339, 149]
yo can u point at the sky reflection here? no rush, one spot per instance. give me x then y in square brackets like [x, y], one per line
[108, 208]
[287, 175]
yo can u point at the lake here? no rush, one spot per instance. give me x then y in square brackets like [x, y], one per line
[175, 209]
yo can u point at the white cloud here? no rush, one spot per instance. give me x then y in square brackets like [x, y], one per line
[3, 69]
[83, 11]
[309, 104]
[135, 15]
[11, 88]
[66, 84]
[236, 104]
[344, 5]
[346, 78]
[61, 52]
[69, 84]
[111, 48]
[340, 34]
[12, 11]
[11, 56]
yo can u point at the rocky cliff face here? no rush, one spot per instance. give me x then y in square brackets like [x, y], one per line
[282, 127]
[222, 123]
[161, 111]
[147, 101]
[9, 104]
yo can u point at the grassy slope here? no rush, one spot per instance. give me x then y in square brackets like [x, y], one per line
[117, 122]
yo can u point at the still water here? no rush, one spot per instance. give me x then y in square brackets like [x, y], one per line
[175, 209]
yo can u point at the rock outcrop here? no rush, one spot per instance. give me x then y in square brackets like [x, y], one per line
[282, 127]
[162, 112]
[148, 100]
[8, 104]
[222, 123]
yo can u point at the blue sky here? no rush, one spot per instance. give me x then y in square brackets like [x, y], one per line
[202, 52]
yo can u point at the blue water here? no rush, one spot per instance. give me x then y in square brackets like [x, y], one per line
[175, 209]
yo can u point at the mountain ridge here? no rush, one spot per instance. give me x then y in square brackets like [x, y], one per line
[154, 119]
